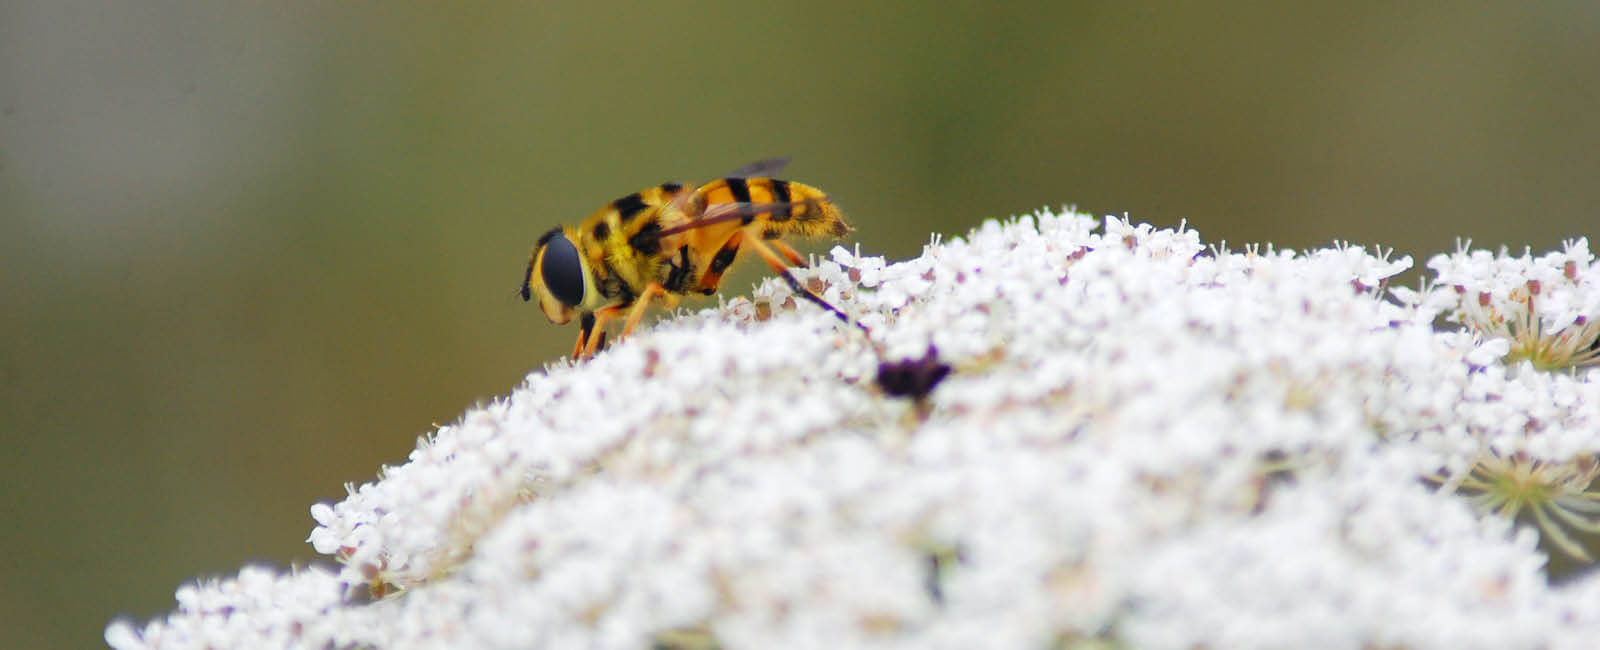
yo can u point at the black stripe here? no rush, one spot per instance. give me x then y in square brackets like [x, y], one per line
[602, 231]
[671, 187]
[648, 240]
[780, 194]
[740, 189]
[741, 194]
[678, 277]
[629, 205]
[723, 259]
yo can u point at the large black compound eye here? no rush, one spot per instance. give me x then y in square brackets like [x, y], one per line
[562, 270]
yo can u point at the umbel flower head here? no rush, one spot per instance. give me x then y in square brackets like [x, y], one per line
[1534, 460]
[1556, 496]
[1110, 435]
[1546, 307]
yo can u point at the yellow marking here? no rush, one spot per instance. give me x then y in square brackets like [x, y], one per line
[719, 194]
[760, 191]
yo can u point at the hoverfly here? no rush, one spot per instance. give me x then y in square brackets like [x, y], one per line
[667, 241]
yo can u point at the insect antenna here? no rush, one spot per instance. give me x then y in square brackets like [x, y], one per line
[527, 279]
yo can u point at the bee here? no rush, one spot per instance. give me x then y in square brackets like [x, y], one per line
[670, 240]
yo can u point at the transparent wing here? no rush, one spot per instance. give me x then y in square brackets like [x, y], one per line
[761, 168]
[722, 213]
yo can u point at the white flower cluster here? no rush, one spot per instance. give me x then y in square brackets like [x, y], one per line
[1142, 443]
[1547, 308]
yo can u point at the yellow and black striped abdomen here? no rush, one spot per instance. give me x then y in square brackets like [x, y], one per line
[802, 210]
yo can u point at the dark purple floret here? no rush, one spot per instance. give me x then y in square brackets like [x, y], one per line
[914, 378]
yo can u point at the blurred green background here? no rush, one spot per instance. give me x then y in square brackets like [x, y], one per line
[253, 250]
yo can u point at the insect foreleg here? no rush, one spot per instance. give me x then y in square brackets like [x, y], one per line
[651, 291]
[585, 328]
[602, 316]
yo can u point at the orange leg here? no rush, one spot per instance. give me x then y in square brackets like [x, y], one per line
[772, 260]
[591, 337]
[602, 317]
[789, 253]
[585, 329]
[651, 291]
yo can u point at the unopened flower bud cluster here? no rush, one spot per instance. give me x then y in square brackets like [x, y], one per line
[1143, 442]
